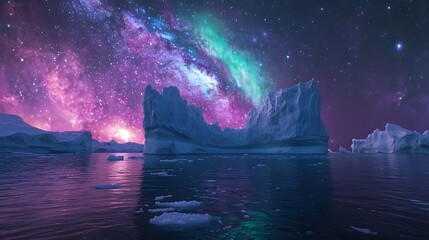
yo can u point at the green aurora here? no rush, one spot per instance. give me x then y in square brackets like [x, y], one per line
[247, 73]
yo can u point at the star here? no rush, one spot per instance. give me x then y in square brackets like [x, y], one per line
[399, 46]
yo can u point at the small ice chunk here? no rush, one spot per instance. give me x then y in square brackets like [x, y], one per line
[157, 210]
[115, 158]
[135, 157]
[175, 221]
[159, 198]
[243, 211]
[363, 230]
[140, 211]
[173, 160]
[162, 174]
[261, 165]
[418, 202]
[106, 186]
[211, 181]
[180, 205]
[246, 216]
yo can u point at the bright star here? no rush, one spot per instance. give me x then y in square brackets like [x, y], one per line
[399, 46]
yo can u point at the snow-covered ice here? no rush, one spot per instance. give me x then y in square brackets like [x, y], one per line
[115, 158]
[363, 230]
[181, 221]
[288, 122]
[392, 140]
[180, 205]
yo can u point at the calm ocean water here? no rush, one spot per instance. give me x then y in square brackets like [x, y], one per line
[338, 196]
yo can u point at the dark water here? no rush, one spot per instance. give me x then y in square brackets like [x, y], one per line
[284, 197]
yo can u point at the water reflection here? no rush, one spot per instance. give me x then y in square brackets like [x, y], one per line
[249, 196]
[51, 196]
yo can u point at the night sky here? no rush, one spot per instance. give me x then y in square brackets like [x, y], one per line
[84, 64]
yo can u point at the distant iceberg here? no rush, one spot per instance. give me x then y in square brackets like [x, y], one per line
[288, 122]
[113, 146]
[17, 135]
[393, 139]
[342, 149]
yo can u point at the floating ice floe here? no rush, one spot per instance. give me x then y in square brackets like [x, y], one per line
[173, 160]
[180, 205]
[106, 186]
[211, 181]
[418, 202]
[261, 165]
[162, 174]
[159, 198]
[140, 211]
[135, 157]
[157, 210]
[363, 230]
[115, 158]
[176, 221]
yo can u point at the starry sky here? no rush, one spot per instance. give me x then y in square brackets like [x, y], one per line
[84, 64]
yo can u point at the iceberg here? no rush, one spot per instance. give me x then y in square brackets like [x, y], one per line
[114, 146]
[18, 136]
[287, 122]
[394, 139]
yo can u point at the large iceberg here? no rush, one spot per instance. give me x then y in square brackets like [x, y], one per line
[18, 136]
[288, 122]
[392, 140]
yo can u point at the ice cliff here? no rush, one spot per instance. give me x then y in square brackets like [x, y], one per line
[18, 136]
[288, 122]
[392, 140]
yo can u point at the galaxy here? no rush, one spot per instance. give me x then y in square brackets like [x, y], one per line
[84, 64]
